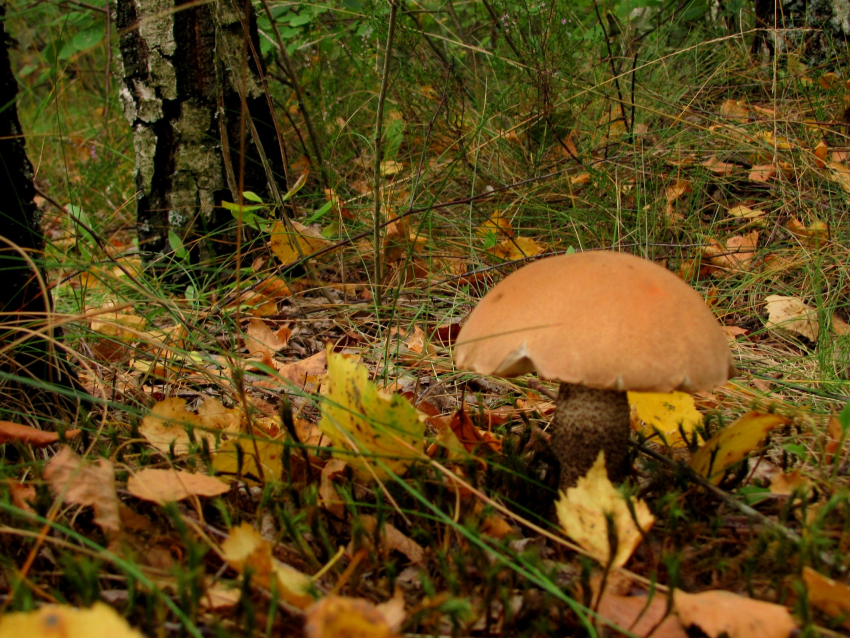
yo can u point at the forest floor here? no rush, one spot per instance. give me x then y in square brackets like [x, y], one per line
[206, 492]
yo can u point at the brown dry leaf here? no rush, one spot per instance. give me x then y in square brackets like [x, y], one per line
[828, 80]
[496, 224]
[745, 212]
[164, 486]
[733, 254]
[812, 235]
[733, 443]
[517, 248]
[394, 540]
[672, 195]
[306, 374]
[793, 315]
[244, 548]
[220, 597]
[830, 596]
[168, 420]
[840, 174]
[719, 168]
[291, 246]
[415, 341]
[343, 617]
[641, 616]
[580, 180]
[13, 432]
[582, 512]
[762, 173]
[82, 483]
[328, 496]
[786, 483]
[260, 338]
[471, 437]
[21, 494]
[718, 612]
[821, 153]
[63, 621]
[124, 324]
[735, 109]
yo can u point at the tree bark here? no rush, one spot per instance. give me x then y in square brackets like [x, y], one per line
[185, 76]
[816, 30]
[31, 371]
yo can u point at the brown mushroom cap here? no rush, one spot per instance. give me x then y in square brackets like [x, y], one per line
[604, 320]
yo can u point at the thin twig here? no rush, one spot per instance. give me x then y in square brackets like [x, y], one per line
[379, 148]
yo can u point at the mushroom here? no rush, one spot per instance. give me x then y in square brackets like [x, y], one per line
[602, 324]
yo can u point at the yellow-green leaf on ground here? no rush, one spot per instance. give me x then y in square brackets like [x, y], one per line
[225, 460]
[517, 248]
[164, 486]
[370, 431]
[244, 547]
[718, 613]
[291, 245]
[496, 224]
[665, 413]
[830, 596]
[733, 443]
[583, 511]
[63, 621]
[168, 422]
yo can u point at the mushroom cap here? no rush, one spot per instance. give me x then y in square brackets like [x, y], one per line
[604, 320]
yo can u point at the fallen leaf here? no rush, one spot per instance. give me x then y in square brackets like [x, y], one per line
[394, 540]
[583, 511]
[720, 168]
[517, 248]
[821, 153]
[722, 612]
[733, 254]
[164, 486]
[664, 413]
[733, 443]
[13, 432]
[793, 315]
[225, 460]
[641, 616]
[810, 236]
[470, 436]
[245, 548]
[63, 621]
[343, 617]
[365, 425]
[735, 109]
[328, 496]
[762, 173]
[220, 597]
[745, 212]
[168, 421]
[391, 167]
[305, 374]
[260, 338]
[830, 596]
[79, 482]
[291, 246]
[496, 224]
[785, 483]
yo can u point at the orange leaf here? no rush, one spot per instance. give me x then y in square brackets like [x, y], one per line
[13, 432]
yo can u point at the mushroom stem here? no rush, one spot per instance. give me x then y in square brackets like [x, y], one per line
[586, 421]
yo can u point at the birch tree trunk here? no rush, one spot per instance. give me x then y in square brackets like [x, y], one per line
[30, 366]
[186, 68]
[817, 31]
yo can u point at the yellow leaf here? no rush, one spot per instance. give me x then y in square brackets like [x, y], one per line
[244, 547]
[169, 420]
[343, 617]
[582, 513]
[733, 443]
[391, 167]
[497, 224]
[831, 597]
[370, 431]
[225, 460]
[745, 212]
[164, 486]
[664, 413]
[99, 621]
[290, 246]
[517, 248]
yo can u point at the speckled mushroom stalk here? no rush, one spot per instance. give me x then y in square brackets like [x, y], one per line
[600, 324]
[586, 421]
